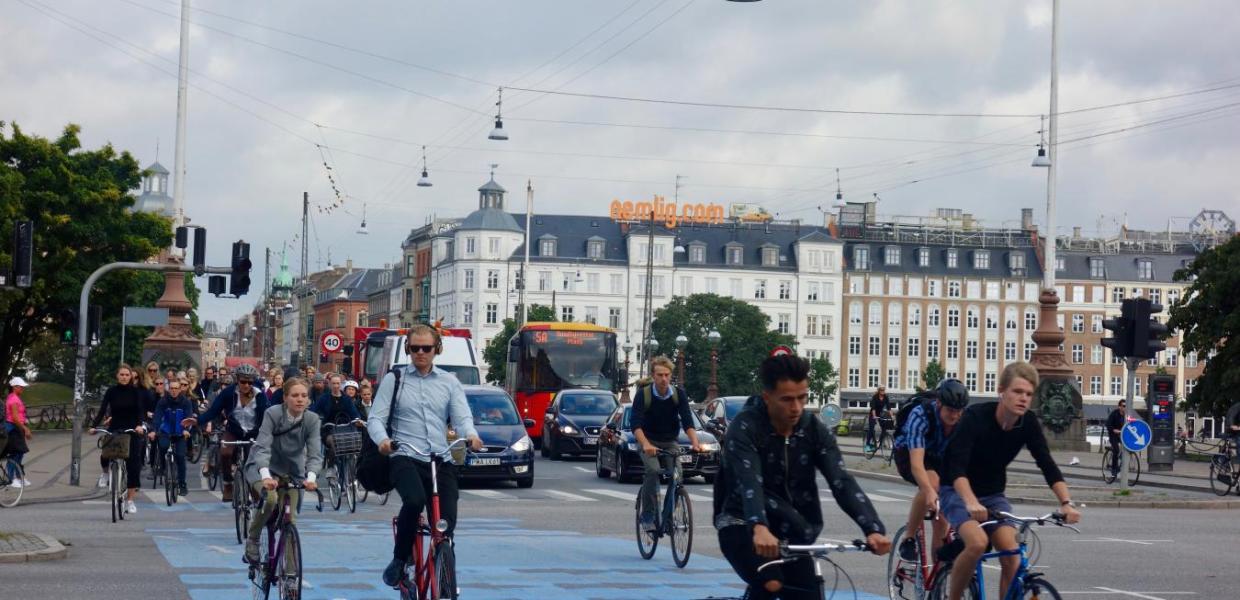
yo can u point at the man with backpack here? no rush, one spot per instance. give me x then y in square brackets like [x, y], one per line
[924, 425]
[660, 411]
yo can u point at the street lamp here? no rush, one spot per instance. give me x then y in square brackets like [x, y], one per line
[681, 342]
[498, 133]
[652, 349]
[712, 390]
[624, 391]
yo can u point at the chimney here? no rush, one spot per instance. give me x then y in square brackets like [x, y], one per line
[1026, 219]
[1076, 233]
[348, 265]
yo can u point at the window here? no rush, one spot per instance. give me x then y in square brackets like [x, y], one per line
[361, 319]
[1095, 385]
[736, 255]
[934, 288]
[1117, 386]
[932, 349]
[409, 268]
[770, 257]
[932, 318]
[953, 349]
[854, 377]
[1145, 269]
[492, 313]
[923, 257]
[785, 290]
[1059, 263]
[981, 259]
[1078, 323]
[893, 378]
[544, 281]
[891, 255]
[782, 322]
[873, 377]
[567, 280]
[1173, 296]
[1190, 360]
[1009, 350]
[592, 315]
[408, 299]
[876, 314]
[613, 318]
[970, 380]
[970, 349]
[594, 249]
[340, 318]
[1095, 324]
[759, 289]
[469, 279]
[658, 253]
[467, 313]
[895, 315]
[1078, 294]
[492, 279]
[895, 287]
[854, 313]
[657, 288]
[992, 290]
[1117, 295]
[812, 294]
[973, 290]
[826, 325]
[914, 316]
[1136, 387]
[953, 317]
[854, 345]
[712, 285]
[893, 347]
[1156, 296]
[1095, 354]
[953, 289]
[546, 247]
[686, 286]
[989, 383]
[971, 318]
[1016, 262]
[616, 284]
[992, 350]
[914, 379]
[1189, 386]
[471, 246]
[861, 258]
[1031, 320]
[1009, 319]
[811, 325]
[1029, 348]
[735, 285]
[952, 258]
[1097, 269]
[1171, 355]
[875, 345]
[914, 347]
[914, 286]
[592, 283]
[566, 313]
[1078, 354]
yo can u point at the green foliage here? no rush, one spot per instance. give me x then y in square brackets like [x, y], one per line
[1208, 314]
[933, 375]
[495, 355]
[823, 380]
[80, 204]
[43, 394]
[746, 339]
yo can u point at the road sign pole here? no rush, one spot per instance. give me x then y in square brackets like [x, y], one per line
[1128, 406]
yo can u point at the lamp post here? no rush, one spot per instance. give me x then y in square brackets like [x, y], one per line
[712, 390]
[624, 391]
[681, 342]
[652, 350]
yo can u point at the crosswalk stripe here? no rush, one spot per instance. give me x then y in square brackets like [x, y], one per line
[701, 499]
[567, 496]
[490, 494]
[613, 493]
[900, 493]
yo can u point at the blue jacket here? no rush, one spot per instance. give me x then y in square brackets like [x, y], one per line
[331, 412]
[170, 411]
[225, 403]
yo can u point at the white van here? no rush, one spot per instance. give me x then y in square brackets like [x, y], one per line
[459, 357]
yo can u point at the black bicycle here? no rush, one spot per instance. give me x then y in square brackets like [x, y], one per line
[166, 471]
[882, 441]
[1224, 469]
[241, 497]
[1109, 474]
[819, 553]
[674, 521]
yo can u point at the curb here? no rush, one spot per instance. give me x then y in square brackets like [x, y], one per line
[98, 493]
[54, 551]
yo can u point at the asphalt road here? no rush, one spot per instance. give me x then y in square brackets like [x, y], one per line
[571, 536]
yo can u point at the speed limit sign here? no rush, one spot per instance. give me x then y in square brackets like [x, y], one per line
[331, 342]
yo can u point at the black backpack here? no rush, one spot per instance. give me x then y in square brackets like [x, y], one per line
[907, 408]
[720, 488]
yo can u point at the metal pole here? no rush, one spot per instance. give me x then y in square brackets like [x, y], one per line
[525, 265]
[1123, 452]
[178, 167]
[1048, 272]
[646, 309]
[124, 319]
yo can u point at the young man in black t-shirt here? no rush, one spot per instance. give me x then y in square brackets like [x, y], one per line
[989, 437]
[1115, 428]
[660, 412]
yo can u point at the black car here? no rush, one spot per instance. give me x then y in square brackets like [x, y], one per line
[619, 453]
[718, 413]
[507, 452]
[572, 422]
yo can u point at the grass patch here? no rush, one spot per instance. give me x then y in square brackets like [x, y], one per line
[44, 394]
[1124, 493]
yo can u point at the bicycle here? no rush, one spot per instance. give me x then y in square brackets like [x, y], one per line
[280, 563]
[1134, 467]
[1025, 583]
[195, 445]
[1224, 470]
[212, 473]
[882, 446]
[431, 576]
[674, 521]
[241, 500]
[11, 472]
[116, 467]
[817, 553]
[342, 483]
[166, 471]
[918, 573]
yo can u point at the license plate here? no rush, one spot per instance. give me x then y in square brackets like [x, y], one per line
[686, 458]
[590, 440]
[483, 462]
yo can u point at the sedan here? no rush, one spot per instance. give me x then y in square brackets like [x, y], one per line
[507, 452]
[619, 453]
[572, 422]
[718, 413]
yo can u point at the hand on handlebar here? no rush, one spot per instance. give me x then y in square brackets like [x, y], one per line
[1070, 514]
[475, 443]
[386, 447]
[765, 544]
[878, 543]
[270, 483]
[650, 450]
[978, 512]
[311, 486]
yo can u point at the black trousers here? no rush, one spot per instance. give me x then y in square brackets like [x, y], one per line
[785, 523]
[133, 464]
[412, 480]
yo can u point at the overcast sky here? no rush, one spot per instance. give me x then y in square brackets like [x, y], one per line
[380, 79]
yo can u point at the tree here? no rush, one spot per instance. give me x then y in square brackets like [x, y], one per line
[933, 375]
[1208, 314]
[746, 339]
[495, 355]
[823, 379]
[80, 205]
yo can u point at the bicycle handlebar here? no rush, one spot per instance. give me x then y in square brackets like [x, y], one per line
[442, 455]
[354, 423]
[1054, 518]
[792, 552]
[237, 443]
[102, 430]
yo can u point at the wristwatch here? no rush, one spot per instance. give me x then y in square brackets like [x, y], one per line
[1068, 503]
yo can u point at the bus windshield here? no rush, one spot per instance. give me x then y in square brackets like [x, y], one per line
[558, 359]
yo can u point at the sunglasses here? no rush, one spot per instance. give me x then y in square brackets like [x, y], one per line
[245, 382]
[414, 349]
[152, 370]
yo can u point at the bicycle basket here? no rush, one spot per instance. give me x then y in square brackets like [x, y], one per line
[348, 442]
[115, 447]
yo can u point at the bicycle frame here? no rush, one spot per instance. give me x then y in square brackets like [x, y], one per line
[424, 583]
[926, 573]
[1022, 574]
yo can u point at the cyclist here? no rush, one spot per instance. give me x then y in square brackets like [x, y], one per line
[209, 384]
[1233, 428]
[287, 446]
[243, 406]
[767, 491]
[319, 386]
[660, 412]
[172, 413]
[14, 420]
[919, 448]
[880, 408]
[1115, 427]
[337, 408]
[974, 470]
[427, 398]
[124, 404]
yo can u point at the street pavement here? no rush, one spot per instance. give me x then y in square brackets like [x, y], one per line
[571, 536]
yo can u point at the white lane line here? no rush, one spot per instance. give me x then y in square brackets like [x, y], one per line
[216, 493]
[490, 494]
[1133, 594]
[900, 493]
[613, 493]
[569, 497]
[1122, 541]
[702, 499]
[96, 501]
[584, 470]
[1108, 593]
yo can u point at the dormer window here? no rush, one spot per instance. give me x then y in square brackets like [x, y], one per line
[1016, 262]
[981, 259]
[861, 258]
[697, 253]
[546, 245]
[891, 255]
[770, 256]
[1097, 268]
[594, 247]
[1059, 264]
[734, 253]
[953, 258]
[1145, 269]
[923, 257]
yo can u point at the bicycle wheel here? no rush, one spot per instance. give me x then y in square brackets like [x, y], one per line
[118, 492]
[349, 487]
[884, 446]
[444, 585]
[241, 516]
[261, 576]
[647, 541]
[213, 468]
[682, 528]
[1108, 476]
[1221, 479]
[333, 491]
[194, 451]
[170, 486]
[1036, 588]
[941, 584]
[288, 571]
[1134, 468]
[902, 574]
[10, 495]
[384, 498]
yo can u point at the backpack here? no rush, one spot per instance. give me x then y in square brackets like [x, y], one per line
[720, 488]
[648, 395]
[907, 408]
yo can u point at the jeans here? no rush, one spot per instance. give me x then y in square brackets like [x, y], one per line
[650, 478]
[1115, 450]
[178, 452]
[412, 480]
[870, 424]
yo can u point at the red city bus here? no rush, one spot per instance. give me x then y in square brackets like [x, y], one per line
[544, 358]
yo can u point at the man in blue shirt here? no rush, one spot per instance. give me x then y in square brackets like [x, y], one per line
[919, 446]
[427, 399]
[172, 414]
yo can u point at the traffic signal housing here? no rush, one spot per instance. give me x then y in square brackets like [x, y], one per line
[1147, 333]
[66, 326]
[1121, 328]
[239, 282]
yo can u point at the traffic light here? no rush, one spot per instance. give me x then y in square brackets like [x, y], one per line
[66, 326]
[1147, 333]
[216, 285]
[23, 252]
[1121, 328]
[239, 284]
[200, 250]
[182, 237]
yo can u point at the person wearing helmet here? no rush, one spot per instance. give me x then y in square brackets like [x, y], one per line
[926, 425]
[243, 406]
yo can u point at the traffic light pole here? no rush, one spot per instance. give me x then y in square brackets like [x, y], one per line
[1131, 364]
[83, 343]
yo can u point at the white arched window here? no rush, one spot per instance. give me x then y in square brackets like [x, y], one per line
[876, 314]
[972, 317]
[992, 317]
[854, 313]
[895, 314]
[1009, 319]
[914, 315]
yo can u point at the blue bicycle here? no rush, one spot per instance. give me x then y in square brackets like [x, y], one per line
[1026, 584]
[675, 520]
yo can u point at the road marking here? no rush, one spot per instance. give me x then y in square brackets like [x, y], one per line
[613, 493]
[827, 497]
[1112, 593]
[96, 502]
[1118, 540]
[901, 493]
[705, 499]
[569, 497]
[490, 494]
[1133, 594]
[584, 470]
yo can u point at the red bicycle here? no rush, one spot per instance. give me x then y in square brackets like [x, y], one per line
[432, 574]
[914, 579]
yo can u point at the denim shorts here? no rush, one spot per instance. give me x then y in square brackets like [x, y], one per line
[951, 505]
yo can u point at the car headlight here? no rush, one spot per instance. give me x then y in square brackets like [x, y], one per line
[712, 447]
[521, 445]
[632, 446]
[567, 430]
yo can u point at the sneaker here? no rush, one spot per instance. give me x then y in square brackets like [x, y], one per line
[648, 523]
[131, 508]
[908, 549]
[26, 482]
[17, 484]
[251, 551]
[103, 480]
[182, 490]
[393, 572]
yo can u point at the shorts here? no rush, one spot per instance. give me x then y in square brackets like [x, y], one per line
[904, 467]
[951, 506]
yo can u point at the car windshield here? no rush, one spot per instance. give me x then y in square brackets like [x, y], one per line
[587, 404]
[492, 409]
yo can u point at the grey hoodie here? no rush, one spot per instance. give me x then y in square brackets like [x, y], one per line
[285, 447]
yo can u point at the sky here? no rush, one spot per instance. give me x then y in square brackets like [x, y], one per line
[286, 97]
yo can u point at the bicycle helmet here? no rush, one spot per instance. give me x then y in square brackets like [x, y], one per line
[952, 393]
[246, 370]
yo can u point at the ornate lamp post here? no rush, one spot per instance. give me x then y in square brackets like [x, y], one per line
[652, 350]
[624, 391]
[681, 342]
[712, 390]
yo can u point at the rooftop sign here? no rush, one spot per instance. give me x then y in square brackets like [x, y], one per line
[666, 212]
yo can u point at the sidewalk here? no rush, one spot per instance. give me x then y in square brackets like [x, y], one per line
[1187, 486]
[47, 468]
[18, 547]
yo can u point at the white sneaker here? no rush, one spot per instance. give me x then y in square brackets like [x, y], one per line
[103, 480]
[26, 482]
[17, 484]
[131, 508]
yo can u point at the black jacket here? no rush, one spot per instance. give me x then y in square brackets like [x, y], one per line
[1115, 420]
[759, 463]
[225, 403]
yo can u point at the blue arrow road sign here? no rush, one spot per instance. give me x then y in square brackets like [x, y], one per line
[1136, 435]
